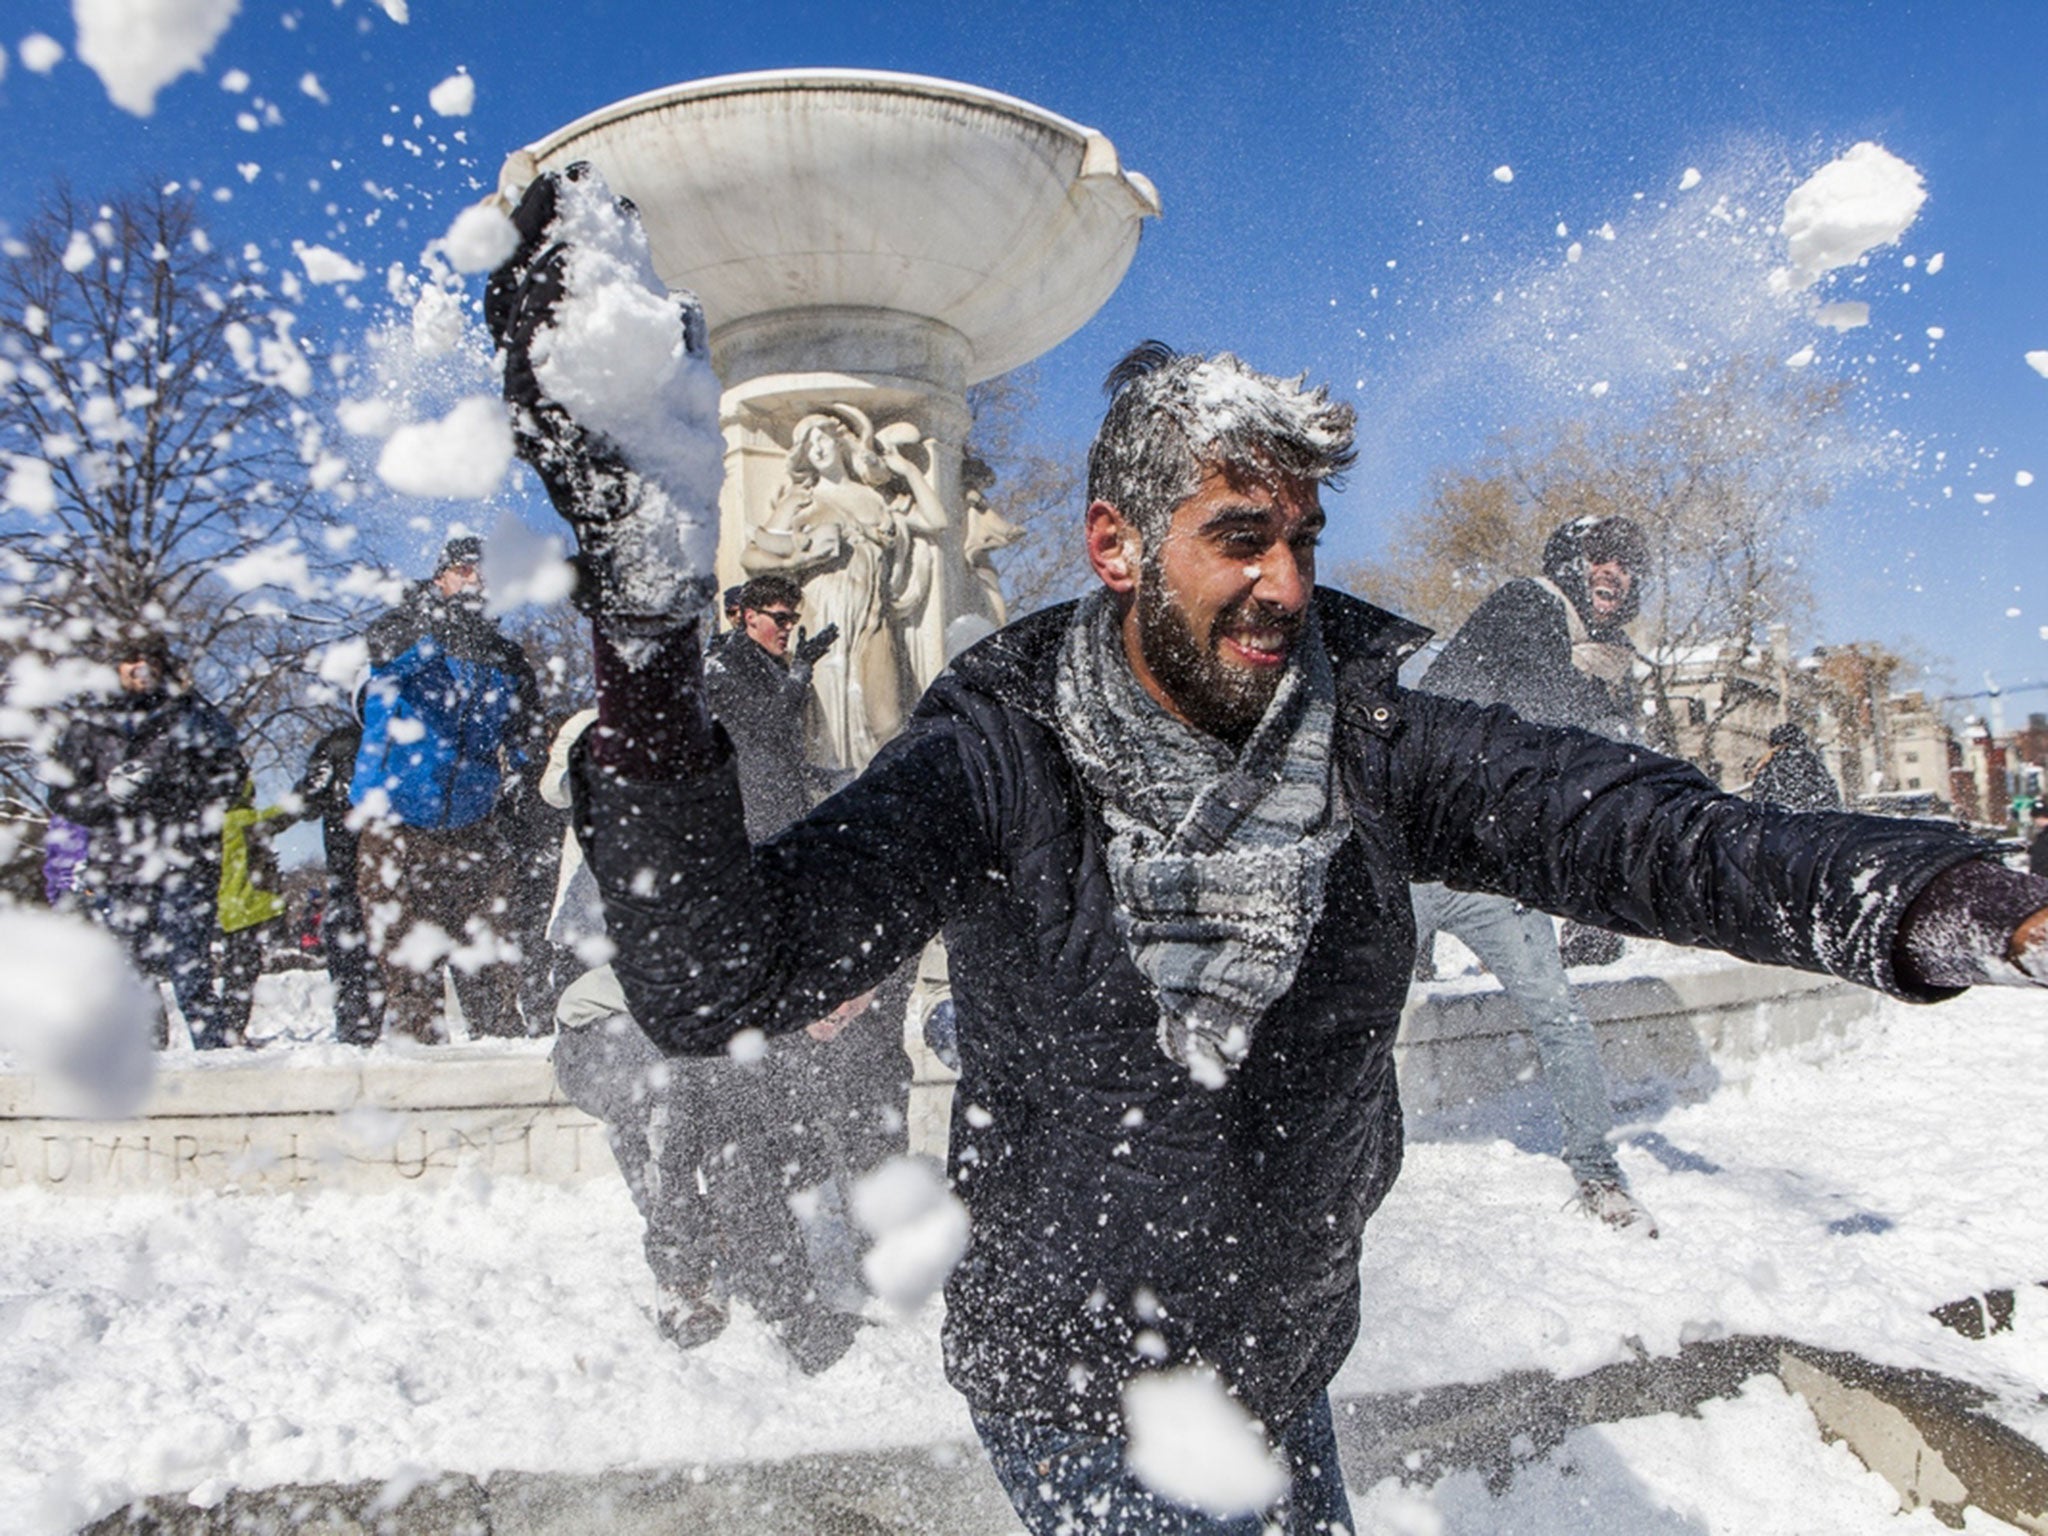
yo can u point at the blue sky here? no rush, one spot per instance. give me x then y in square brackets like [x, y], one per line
[1326, 172]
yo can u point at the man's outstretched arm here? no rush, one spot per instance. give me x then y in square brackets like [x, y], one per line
[1622, 837]
[714, 936]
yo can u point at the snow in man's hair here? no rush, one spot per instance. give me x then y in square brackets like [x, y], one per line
[1173, 415]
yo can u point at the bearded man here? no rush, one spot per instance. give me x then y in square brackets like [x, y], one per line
[1168, 833]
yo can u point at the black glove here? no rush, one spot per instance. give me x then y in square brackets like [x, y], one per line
[590, 483]
[809, 650]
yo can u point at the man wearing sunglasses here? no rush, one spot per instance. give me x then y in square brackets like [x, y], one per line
[758, 685]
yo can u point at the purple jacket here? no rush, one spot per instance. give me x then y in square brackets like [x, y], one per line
[64, 847]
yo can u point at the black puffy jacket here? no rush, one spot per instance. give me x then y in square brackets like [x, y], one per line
[179, 767]
[1110, 1194]
[760, 702]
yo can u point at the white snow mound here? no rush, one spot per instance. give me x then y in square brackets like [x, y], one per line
[1852, 205]
[72, 1006]
[920, 1230]
[1191, 1443]
[137, 47]
[463, 456]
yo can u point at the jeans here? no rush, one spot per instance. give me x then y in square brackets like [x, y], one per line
[1520, 948]
[1067, 1484]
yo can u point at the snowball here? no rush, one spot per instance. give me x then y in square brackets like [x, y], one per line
[396, 10]
[1191, 1443]
[522, 567]
[2025, 477]
[235, 81]
[1503, 174]
[436, 323]
[1690, 179]
[453, 97]
[36, 683]
[30, 487]
[480, 238]
[1599, 389]
[310, 84]
[78, 252]
[1800, 359]
[1936, 332]
[138, 47]
[326, 266]
[1984, 498]
[1936, 262]
[919, 1229]
[72, 1006]
[343, 662]
[1842, 317]
[1867, 198]
[2038, 361]
[365, 418]
[280, 565]
[40, 53]
[462, 457]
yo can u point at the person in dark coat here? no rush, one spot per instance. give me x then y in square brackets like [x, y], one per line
[1556, 651]
[149, 773]
[758, 685]
[452, 746]
[322, 791]
[1555, 648]
[2037, 851]
[1791, 774]
[1168, 832]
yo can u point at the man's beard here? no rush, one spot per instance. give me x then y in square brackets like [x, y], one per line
[1225, 701]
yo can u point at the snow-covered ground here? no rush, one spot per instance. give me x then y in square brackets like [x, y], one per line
[152, 1343]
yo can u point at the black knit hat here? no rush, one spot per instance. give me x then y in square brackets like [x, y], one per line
[463, 549]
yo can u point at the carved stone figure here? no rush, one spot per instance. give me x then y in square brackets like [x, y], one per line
[987, 531]
[862, 558]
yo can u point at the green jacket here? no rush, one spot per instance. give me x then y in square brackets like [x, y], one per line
[247, 866]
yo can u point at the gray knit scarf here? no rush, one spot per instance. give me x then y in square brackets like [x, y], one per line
[1217, 858]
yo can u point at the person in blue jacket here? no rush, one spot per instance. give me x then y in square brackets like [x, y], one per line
[451, 744]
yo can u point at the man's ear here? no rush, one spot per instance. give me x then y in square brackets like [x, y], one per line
[1113, 547]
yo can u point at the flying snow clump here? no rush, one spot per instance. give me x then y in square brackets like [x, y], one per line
[30, 486]
[1690, 179]
[396, 10]
[71, 1006]
[2038, 361]
[453, 97]
[137, 47]
[463, 456]
[326, 266]
[2023, 478]
[1189, 1442]
[480, 238]
[40, 53]
[1845, 316]
[617, 357]
[78, 252]
[919, 1228]
[1852, 205]
[1503, 174]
